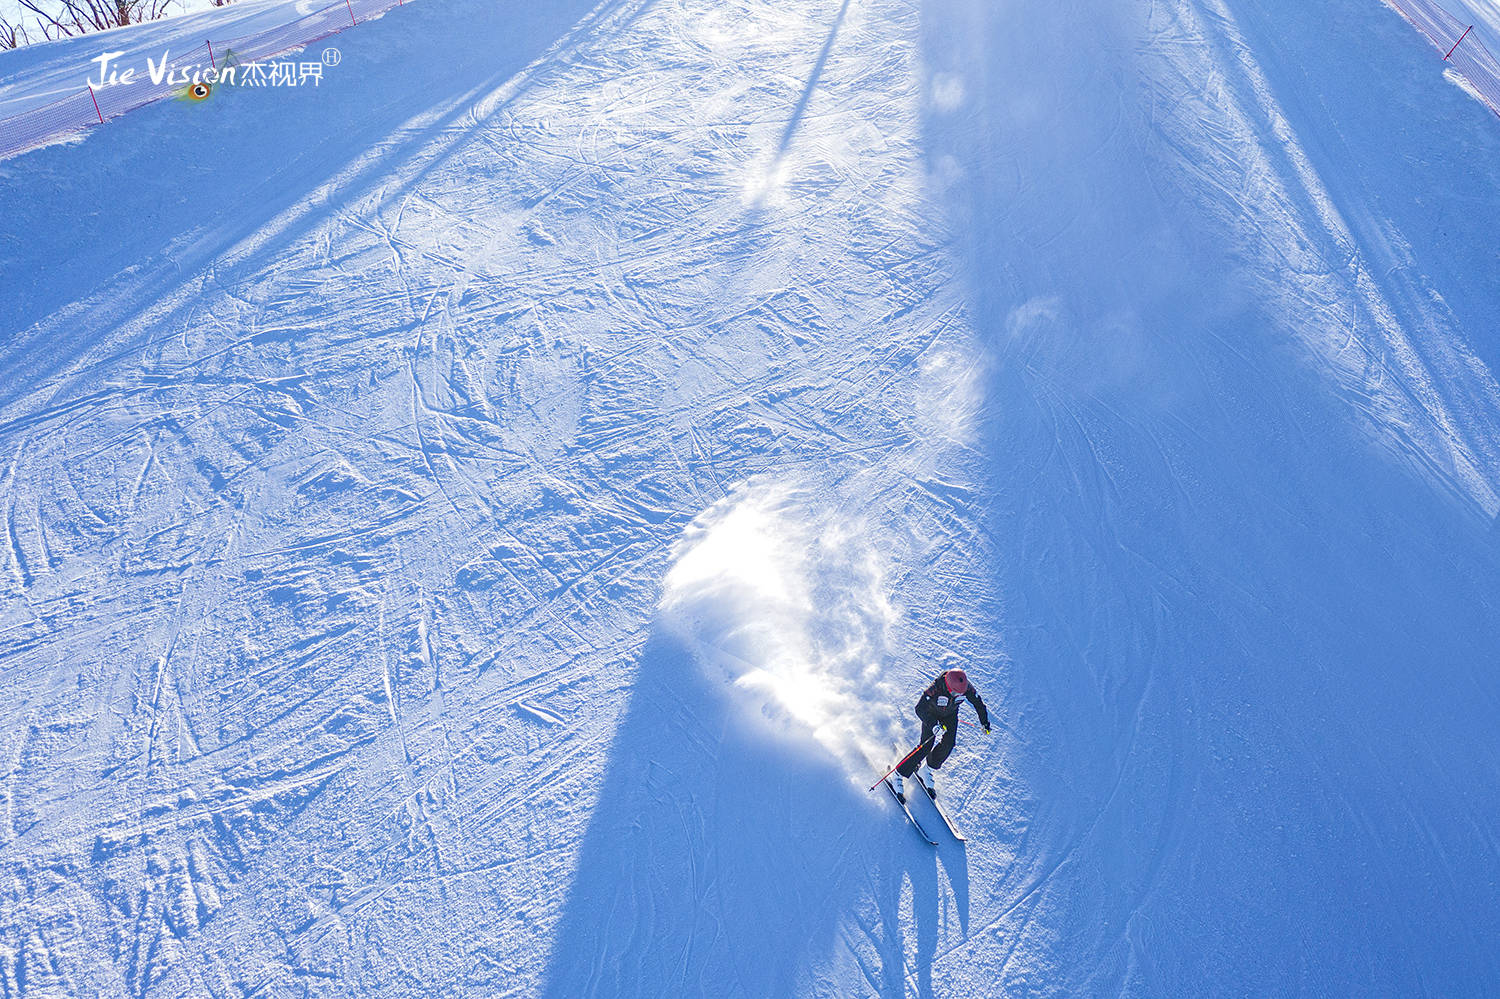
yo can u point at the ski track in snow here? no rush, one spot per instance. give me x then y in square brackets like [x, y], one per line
[339, 597]
[355, 558]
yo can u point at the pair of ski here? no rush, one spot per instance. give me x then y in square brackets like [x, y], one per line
[932, 797]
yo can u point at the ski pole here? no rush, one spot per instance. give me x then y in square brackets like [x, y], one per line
[903, 759]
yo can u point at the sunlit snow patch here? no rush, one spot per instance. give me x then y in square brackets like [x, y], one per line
[764, 183]
[784, 598]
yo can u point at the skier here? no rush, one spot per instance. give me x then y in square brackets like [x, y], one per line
[939, 706]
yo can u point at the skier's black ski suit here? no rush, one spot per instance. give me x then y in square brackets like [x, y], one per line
[939, 707]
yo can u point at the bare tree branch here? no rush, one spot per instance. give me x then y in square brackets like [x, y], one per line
[12, 36]
[66, 18]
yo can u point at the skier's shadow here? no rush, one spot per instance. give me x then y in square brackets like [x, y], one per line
[717, 860]
[920, 870]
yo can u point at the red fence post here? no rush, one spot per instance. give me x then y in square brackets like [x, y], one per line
[96, 104]
[351, 12]
[1457, 43]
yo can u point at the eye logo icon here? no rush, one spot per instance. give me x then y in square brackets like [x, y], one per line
[199, 91]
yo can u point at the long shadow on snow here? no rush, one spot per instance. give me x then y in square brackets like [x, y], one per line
[1355, 74]
[146, 204]
[1252, 652]
[719, 862]
[800, 111]
[898, 867]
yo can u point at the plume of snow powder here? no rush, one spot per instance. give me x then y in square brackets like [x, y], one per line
[784, 599]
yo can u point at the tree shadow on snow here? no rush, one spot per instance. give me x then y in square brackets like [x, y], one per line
[1249, 617]
[234, 184]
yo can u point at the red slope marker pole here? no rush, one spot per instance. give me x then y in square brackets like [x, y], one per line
[351, 13]
[96, 104]
[210, 43]
[1460, 41]
[903, 759]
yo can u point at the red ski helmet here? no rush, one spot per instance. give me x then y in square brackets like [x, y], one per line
[957, 681]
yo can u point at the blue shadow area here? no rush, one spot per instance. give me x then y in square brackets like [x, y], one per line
[721, 863]
[1252, 649]
[1412, 162]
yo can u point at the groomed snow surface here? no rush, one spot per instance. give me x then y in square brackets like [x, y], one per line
[477, 527]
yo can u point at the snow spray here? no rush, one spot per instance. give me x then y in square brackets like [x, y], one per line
[782, 597]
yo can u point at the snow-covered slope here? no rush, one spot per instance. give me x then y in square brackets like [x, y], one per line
[477, 527]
